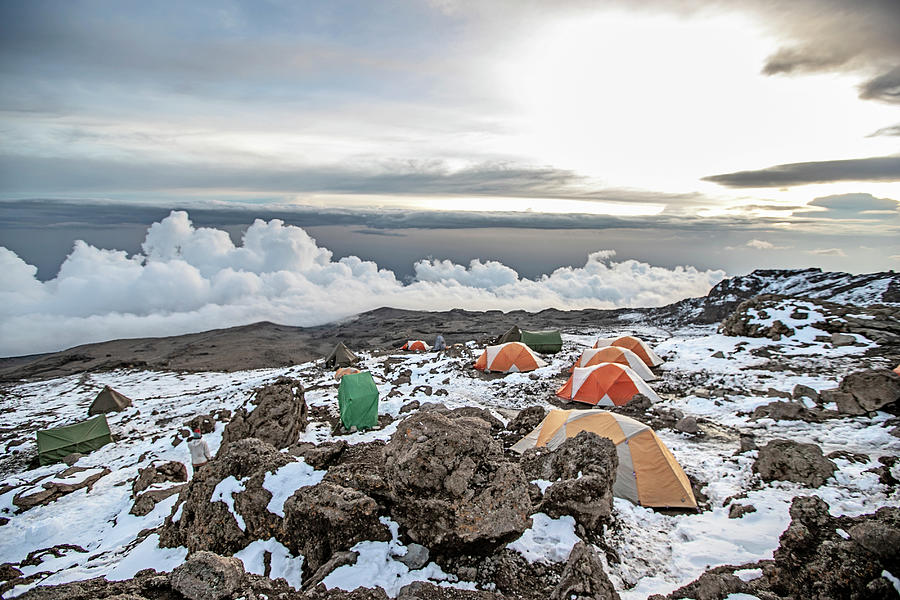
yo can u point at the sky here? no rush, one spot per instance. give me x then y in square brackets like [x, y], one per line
[710, 137]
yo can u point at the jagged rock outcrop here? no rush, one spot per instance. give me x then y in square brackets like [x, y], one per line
[815, 561]
[279, 417]
[754, 318]
[451, 485]
[584, 577]
[787, 460]
[583, 470]
[208, 525]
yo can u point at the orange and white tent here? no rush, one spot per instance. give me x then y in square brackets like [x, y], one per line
[648, 473]
[606, 384]
[637, 346]
[344, 371]
[897, 370]
[511, 357]
[615, 354]
[416, 346]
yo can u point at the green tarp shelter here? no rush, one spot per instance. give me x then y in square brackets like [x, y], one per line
[358, 400]
[545, 342]
[55, 444]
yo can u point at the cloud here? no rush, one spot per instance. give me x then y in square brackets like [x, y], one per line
[189, 279]
[879, 168]
[892, 130]
[885, 87]
[832, 36]
[764, 245]
[854, 206]
[827, 252]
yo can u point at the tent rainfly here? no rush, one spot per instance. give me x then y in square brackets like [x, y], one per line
[648, 473]
[108, 400]
[416, 346]
[513, 334]
[606, 384]
[637, 346]
[55, 444]
[615, 354]
[545, 342]
[511, 357]
[341, 356]
[358, 400]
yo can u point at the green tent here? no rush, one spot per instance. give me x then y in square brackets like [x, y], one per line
[358, 400]
[55, 444]
[545, 342]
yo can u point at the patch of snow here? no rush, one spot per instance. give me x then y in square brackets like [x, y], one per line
[376, 568]
[748, 574]
[147, 555]
[287, 480]
[890, 577]
[225, 491]
[547, 540]
[283, 563]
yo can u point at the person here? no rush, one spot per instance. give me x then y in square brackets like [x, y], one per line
[439, 343]
[199, 450]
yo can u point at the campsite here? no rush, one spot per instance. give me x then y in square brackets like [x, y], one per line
[420, 474]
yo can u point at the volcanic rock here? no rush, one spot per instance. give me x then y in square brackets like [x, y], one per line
[814, 561]
[207, 576]
[583, 470]
[451, 485]
[868, 391]
[159, 473]
[785, 411]
[527, 420]
[787, 460]
[57, 487]
[206, 525]
[584, 577]
[279, 417]
[326, 518]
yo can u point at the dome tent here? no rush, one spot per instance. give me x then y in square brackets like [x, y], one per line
[606, 384]
[634, 344]
[616, 354]
[648, 473]
[512, 357]
[108, 400]
[341, 356]
[416, 346]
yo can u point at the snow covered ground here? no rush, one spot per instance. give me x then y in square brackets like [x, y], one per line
[657, 552]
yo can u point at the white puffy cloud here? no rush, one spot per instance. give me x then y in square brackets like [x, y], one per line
[191, 279]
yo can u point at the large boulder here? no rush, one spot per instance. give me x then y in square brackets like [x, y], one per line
[787, 460]
[785, 411]
[583, 470]
[204, 524]
[867, 391]
[814, 560]
[207, 576]
[451, 486]
[279, 417]
[326, 518]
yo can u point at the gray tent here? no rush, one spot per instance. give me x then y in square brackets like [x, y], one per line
[512, 335]
[341, 356]
[108, 400]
